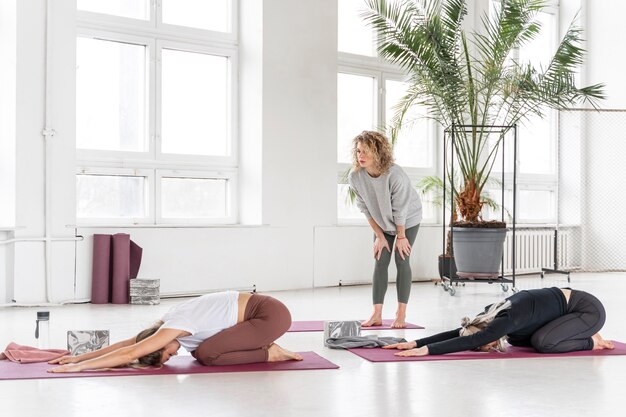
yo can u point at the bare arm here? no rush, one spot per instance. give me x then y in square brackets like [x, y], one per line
[95, 354]
[125, 354]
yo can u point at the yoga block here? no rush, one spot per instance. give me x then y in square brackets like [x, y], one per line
[336, 329]
[83, 341]
[145, 300]
[144, 291]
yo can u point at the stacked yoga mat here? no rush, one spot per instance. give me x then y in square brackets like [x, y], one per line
[116, 259]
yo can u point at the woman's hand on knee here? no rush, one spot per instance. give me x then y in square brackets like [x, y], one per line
[403, 247]
[402, 346]
[380, 243]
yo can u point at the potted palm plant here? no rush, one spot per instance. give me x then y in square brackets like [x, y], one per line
[472, 80]
[432, 190]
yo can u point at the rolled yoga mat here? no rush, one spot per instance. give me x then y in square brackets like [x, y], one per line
[100, 283]
[513, 352]
[318, 326]
[120, 268]
[175, 366]
[116, 260]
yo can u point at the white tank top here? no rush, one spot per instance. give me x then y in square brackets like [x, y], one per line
[202, 317]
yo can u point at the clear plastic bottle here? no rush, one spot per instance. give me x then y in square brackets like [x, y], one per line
[42, 329]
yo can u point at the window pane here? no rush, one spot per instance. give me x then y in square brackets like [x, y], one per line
[136, 9]
[540, 50]
[431, 212]
[496, 196]
[346, 209]
[356, 110]
[536, 205]
[110, 96]
[201, 14]
[536, 144]
[413, 145]
[195, 104]
[197, 198]
[354, 36]
[111, 196]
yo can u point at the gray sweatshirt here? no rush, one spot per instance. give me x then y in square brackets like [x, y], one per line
[389, 199]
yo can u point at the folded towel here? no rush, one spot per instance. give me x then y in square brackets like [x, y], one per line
[28, 354]
[370, 341]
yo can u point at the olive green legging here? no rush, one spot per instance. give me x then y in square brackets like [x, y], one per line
[381, 275]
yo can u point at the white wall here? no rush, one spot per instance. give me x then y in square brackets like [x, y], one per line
[605, 145]
[290, 239]
[8, 33]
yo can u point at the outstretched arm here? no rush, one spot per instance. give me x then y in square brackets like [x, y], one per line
[95, 354]
[124, 355]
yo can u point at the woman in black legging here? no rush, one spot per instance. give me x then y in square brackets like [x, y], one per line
[551, 320]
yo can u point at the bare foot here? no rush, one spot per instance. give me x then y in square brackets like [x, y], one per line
[373, 321]
[599, 343]
[276, 353]
[398, 323]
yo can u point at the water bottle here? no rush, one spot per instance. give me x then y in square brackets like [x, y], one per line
[42, 329]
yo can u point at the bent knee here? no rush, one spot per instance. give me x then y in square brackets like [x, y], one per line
[207, 360]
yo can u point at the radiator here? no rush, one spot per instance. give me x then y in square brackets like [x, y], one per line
[534, 249]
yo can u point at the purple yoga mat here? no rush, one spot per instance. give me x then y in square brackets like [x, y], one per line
[387, 355]
[120, 268]
[100, 283]
[318, 326]
[116, 260]
[176, 365]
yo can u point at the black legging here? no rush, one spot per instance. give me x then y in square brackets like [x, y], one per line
[585, 316]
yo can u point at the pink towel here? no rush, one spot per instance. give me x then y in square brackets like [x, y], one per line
[28, 354]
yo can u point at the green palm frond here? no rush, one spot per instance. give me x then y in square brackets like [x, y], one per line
[472, 79]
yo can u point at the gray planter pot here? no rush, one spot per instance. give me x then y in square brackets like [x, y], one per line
[478, 252]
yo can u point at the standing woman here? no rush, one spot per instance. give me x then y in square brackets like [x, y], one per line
[385, 195]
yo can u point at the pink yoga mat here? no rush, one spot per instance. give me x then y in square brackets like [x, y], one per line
[387, 355]
[176, 365]
[318, 326]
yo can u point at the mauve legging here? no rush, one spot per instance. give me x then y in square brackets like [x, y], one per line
[571, 332]
[265, 320]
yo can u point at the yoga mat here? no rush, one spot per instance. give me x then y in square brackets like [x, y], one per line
[116, 260]
[135, 259]
[175, 366]
[120, 268]
[387, 355]
[318, 326]
[100, 283]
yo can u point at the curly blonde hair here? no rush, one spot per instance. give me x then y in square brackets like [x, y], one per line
[378, 146]
[481, 321]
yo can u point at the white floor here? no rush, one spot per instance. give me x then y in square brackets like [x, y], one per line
[520, 387]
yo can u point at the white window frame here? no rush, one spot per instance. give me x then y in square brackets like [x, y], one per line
[224, 161]
[122, 172]
[381, 72]
[152, 163]
[231, 195]
[94, 154]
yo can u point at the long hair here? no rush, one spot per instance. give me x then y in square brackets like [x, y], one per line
[154, 358]
[482, 320]
[378, 146]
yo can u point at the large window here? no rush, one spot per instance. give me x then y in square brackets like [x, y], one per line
[368, 91]
[155, 118]
[537, 140]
